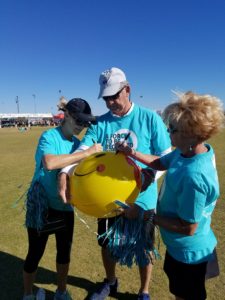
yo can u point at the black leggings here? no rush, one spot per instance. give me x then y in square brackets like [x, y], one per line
[37, 243]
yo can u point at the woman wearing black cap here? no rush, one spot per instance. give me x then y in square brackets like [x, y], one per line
[46, 213]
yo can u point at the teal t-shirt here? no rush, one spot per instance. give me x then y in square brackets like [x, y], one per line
[148, 135]
[189, 191]
[53, 142]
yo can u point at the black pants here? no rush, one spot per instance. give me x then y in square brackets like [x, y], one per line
[186, 281]
[38, 241]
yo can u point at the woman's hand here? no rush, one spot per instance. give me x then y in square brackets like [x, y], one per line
[94, 149]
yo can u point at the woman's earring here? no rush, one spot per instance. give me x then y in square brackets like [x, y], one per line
[190, 148]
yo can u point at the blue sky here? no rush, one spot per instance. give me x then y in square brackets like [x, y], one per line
[48, 46]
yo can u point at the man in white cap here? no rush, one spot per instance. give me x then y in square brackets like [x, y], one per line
[144, 131]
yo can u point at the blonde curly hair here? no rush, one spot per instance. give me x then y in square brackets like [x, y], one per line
[194, 115]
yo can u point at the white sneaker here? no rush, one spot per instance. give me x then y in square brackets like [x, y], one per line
[40, 294]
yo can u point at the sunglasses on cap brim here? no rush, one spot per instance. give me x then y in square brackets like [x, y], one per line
[83, 123]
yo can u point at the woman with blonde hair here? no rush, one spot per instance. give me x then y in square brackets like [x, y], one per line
[188, 194]
[46, 213]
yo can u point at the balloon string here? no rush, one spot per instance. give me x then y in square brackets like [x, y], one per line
[22, 196]
[86, 224]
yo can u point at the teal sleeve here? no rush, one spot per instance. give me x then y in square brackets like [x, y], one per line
[192, 199]
[46, 144]
[90, 137]
[166, 159]
[160, 136]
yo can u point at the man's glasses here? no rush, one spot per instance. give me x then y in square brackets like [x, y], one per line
[171, 129]
[113, 97]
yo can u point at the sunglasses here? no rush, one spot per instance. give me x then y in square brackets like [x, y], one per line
[171, 129]
[113, 97]
[82, 123]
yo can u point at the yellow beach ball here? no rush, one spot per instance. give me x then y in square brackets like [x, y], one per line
[101, 179]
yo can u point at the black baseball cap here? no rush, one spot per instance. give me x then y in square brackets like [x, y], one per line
[80, 110]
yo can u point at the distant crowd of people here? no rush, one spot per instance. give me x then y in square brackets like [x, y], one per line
[27, 124]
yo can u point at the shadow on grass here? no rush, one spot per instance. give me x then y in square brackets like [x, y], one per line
[11, 281]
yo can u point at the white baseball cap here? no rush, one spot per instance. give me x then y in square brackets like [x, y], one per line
[111, 82]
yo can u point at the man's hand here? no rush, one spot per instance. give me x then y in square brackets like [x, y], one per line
[130, 213]
[124, 148]
[64, 187]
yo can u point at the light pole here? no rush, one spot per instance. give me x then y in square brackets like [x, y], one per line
[34, 96]
[17, 103]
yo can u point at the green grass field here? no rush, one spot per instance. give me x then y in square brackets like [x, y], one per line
[17, 165]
